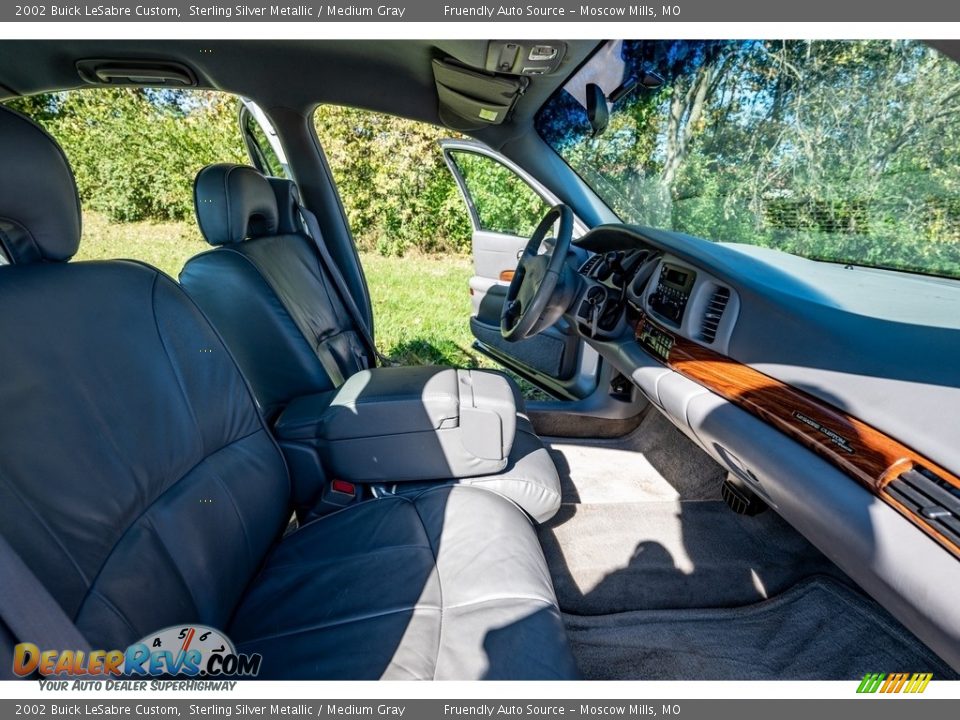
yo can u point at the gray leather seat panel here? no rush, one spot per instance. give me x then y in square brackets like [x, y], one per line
[530, 479]
[470, 596]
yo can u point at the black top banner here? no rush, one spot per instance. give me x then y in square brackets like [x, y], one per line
[439, 11]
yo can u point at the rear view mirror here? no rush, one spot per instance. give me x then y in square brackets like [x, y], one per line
[597, 111]
[647, 79]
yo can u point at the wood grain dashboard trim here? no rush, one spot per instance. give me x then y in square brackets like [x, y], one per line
[868, 455]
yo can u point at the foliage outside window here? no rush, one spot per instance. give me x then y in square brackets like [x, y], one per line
[503, 202]
[847, 151]
[396, 189]
[135, 152]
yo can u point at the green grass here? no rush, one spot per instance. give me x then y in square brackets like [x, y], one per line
[421, 307]
[421, 303]
[166, 245]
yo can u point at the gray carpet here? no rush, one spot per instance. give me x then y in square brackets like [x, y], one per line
[819, 630]
[654, 462]
[659, 580]
[613, 558]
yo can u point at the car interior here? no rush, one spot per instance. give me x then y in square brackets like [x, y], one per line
[742, 463]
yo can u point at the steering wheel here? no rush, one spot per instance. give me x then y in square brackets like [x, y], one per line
[527, 309]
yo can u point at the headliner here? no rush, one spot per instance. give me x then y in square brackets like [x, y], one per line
[392, 76]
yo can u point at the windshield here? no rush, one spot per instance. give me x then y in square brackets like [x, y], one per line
[847, 151]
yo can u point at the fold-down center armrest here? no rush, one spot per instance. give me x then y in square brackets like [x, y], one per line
[408, 423]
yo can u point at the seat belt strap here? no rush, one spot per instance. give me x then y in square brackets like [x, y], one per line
[312, 228]
[30, 611]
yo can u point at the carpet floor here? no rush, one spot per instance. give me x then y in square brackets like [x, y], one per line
[818, 630]
[659, 580]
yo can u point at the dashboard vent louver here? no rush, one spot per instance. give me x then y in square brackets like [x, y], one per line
[713, 314]
[590, 263]
[931, 498]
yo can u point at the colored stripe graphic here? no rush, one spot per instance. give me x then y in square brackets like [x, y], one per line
[871, 682]
[919, 682]
[895, 683]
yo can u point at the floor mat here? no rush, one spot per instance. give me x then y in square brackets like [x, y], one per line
[817, 630]
[654, 462]
[613, 558]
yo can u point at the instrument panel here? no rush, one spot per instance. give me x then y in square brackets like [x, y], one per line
[683, 316]
[823, 387]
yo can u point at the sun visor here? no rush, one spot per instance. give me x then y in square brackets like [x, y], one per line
[472, 99]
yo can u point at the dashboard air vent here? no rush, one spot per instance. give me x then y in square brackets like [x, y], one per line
[931, 498]
[713, 314]
[590, 263]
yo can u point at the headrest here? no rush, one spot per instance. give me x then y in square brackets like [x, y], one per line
[234, 203]
[39, 206]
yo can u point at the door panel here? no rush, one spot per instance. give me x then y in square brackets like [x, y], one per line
[494, 259]
[505, 205]
[552, 353]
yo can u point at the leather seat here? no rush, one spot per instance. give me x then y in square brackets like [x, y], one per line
[141, 485]
[265, 289]
[453, 586]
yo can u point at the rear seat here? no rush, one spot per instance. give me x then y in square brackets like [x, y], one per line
[266, 290]
[140, 485]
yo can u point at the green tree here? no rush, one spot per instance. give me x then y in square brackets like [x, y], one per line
[393, 181]
[135, 152]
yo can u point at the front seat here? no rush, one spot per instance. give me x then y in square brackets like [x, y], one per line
[140, 485]
[268, 293]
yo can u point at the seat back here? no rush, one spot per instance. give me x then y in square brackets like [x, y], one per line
[265, 289]
[137, 479]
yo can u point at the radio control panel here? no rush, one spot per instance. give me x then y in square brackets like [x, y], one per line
[669, 298]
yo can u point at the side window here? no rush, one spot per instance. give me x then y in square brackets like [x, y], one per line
[263, 150]
[135, 153]
[502, 201]
[396, 189]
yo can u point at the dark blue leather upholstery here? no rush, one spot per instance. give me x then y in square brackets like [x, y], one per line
[136, 475]
[269, 297]
[234, 202]
[39, 206]
[139, 482]
[286, 348]
[134, 445]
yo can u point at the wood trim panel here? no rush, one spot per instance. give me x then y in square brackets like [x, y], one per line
[868, 455]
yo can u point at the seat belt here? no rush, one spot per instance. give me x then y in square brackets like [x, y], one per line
[312, 229]
[30, 611]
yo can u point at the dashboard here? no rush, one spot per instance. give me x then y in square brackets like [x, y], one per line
[621, 285]
[824, 388]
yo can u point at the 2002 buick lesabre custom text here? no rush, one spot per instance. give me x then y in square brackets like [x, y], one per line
[87, 709]
[111, 11]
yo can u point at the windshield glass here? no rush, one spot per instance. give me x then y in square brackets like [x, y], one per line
[847, 151]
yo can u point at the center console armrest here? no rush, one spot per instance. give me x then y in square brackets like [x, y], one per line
[407, 423]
